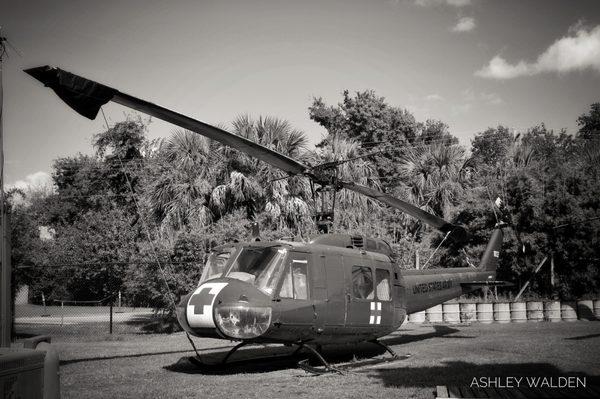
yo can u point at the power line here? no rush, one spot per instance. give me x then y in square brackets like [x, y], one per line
[99, 264]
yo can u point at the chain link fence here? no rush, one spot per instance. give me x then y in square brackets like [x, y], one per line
[73, 319]
[67, 318]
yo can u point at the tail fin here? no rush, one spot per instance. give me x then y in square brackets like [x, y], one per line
[489, 260]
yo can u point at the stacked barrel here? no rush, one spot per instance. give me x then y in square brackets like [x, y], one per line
[454, 312]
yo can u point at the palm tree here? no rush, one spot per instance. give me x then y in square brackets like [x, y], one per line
[434, 176]
[353, 210]
[182, 180]
[247, 182]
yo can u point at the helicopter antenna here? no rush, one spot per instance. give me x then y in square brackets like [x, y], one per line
[487, 190]
[438, 247]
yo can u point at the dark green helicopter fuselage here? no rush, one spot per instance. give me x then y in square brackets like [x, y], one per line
[324, 292]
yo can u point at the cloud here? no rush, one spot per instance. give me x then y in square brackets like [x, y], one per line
[491, 98]
[434, 97]
[461, 108]
[37, 180]
[454, 3]
[470, 99]
[464, 24]
[576, 52]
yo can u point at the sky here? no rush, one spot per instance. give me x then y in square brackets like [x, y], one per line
[473, 64]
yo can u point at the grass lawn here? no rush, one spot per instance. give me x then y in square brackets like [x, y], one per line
[156, 366]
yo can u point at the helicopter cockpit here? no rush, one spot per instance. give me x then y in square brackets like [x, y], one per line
[261, 267]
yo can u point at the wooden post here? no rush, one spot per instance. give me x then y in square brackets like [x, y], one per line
[110, 328]
[552, 272]
[5, 274]
[417, 259]
[111, 299]
[44, 303]
[5, 288]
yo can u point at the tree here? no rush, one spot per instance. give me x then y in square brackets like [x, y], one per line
[491, 146]
[589, 124]
[544, 183]
[86, 260]
[433, 132]
[245, 182]
[434, 176]
[369, 121]
[24, 236]
[180, 181]
[352, 210]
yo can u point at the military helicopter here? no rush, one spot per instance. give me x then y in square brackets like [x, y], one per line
[333, 289]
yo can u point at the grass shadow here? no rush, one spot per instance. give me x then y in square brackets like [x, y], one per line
[461, 374]
[135, 355]
[580, 337]
[262, 360]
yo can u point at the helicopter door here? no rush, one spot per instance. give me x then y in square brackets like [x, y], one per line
[370, 295]
[362, 308]
[318, 283]
[294, 295]
[335, 305]
[384, 294]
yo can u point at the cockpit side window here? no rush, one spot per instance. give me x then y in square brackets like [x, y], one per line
[362, 282]
[382, 281]
[295, 280]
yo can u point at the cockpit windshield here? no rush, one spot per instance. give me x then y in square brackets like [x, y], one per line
[215, 266]
[261, 267]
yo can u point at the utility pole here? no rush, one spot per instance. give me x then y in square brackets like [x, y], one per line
[5, 275]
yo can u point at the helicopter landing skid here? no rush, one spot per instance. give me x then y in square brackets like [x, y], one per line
[386, 347]
[341, 368]
[326, 368]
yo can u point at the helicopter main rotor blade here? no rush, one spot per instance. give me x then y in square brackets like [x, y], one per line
[86, 97]
[457, 233]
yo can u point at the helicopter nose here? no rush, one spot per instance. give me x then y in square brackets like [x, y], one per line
[195, 310]
[236, 309]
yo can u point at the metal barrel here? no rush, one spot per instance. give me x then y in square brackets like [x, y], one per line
[518, 312]
[417, 318]
[568, 310]
[502, 312]
[451, 312]
[597, 309]
[468, 312]
[485, 313]
[585, 310]
[434, 314]
[552, 311]
[535, 311]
